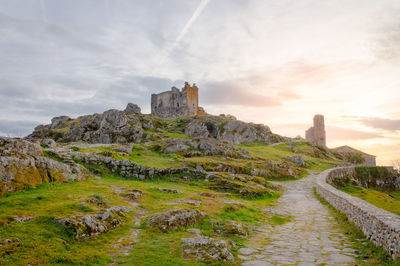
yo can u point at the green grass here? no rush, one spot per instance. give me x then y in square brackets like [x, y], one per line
[141, 154]
[176, 135]
[146, 157]
[368, 254]
[44, 241]
[389, 201]
[281, 151]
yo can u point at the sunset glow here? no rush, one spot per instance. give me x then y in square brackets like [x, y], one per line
[271, 62]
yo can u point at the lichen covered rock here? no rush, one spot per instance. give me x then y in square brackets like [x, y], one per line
[88, 225]
[133, 194]
[246, 186]
[297, 159]
[206, 248]
[167, 190]
[197, 129]
[22, 164]
[204, 147]
[170, 220]
[234, 228]
[112, 126]
[132, 109]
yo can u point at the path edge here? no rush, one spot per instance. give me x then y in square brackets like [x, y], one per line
[380, 226]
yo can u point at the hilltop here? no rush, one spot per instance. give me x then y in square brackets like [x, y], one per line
[102, 188]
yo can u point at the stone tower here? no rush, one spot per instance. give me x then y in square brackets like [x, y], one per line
[175, 103]
[316, 134]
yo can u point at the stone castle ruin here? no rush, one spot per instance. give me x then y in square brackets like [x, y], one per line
[175, 103]
[316, 134]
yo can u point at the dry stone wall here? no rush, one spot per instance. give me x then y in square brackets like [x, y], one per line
[132, 170]
[380, 226]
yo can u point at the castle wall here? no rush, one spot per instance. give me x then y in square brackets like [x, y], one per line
[175, 103]
[192, 99]
[316, 134]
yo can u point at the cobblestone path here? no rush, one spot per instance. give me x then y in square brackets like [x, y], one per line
[310, 238]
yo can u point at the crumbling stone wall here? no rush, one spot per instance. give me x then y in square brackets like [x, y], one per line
[175, 103]
[316, 134]
[380, 226]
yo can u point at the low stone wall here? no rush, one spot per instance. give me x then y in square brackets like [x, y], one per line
[380, 226]
[132, 170]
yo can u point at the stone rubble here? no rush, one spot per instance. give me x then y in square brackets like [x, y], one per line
[89, 225]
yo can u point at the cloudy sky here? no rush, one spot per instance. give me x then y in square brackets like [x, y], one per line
[276, 62]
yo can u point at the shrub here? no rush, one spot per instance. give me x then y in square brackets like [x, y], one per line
[374, 172]
[354, 158]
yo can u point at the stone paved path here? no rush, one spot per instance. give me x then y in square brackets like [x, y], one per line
[310, 238]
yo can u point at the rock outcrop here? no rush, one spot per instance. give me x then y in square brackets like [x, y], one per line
[88, 225]
[132, 109]
[170, 220]
[197, 129]
[245, 186]
[234, 228]
[204, 147]
[23, 163]
[238, 132]
[206, 248]
[115, 126]
[112, 126]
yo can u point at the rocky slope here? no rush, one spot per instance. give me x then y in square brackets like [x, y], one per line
[23, 163]
[129, 125]
[158, 181]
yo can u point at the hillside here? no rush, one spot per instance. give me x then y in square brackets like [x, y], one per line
[125, 187]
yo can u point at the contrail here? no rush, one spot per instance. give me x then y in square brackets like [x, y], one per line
[165, 53]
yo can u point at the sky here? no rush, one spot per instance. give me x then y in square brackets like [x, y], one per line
[276, 62]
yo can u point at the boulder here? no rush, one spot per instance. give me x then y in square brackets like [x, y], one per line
[88, 225]
[58, 122]
[173, 191]
[298, 160]
[206, 248]
[49, 143]
[113, 118]
[22, 164]
[170, 220]
[234, 228]
[132, 109]
[19, 148]
[238, 132]
[197, 129]
[133, 194]
[97, 201]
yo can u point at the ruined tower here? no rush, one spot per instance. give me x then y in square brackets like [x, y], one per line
[316, 134]
[174, 103]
